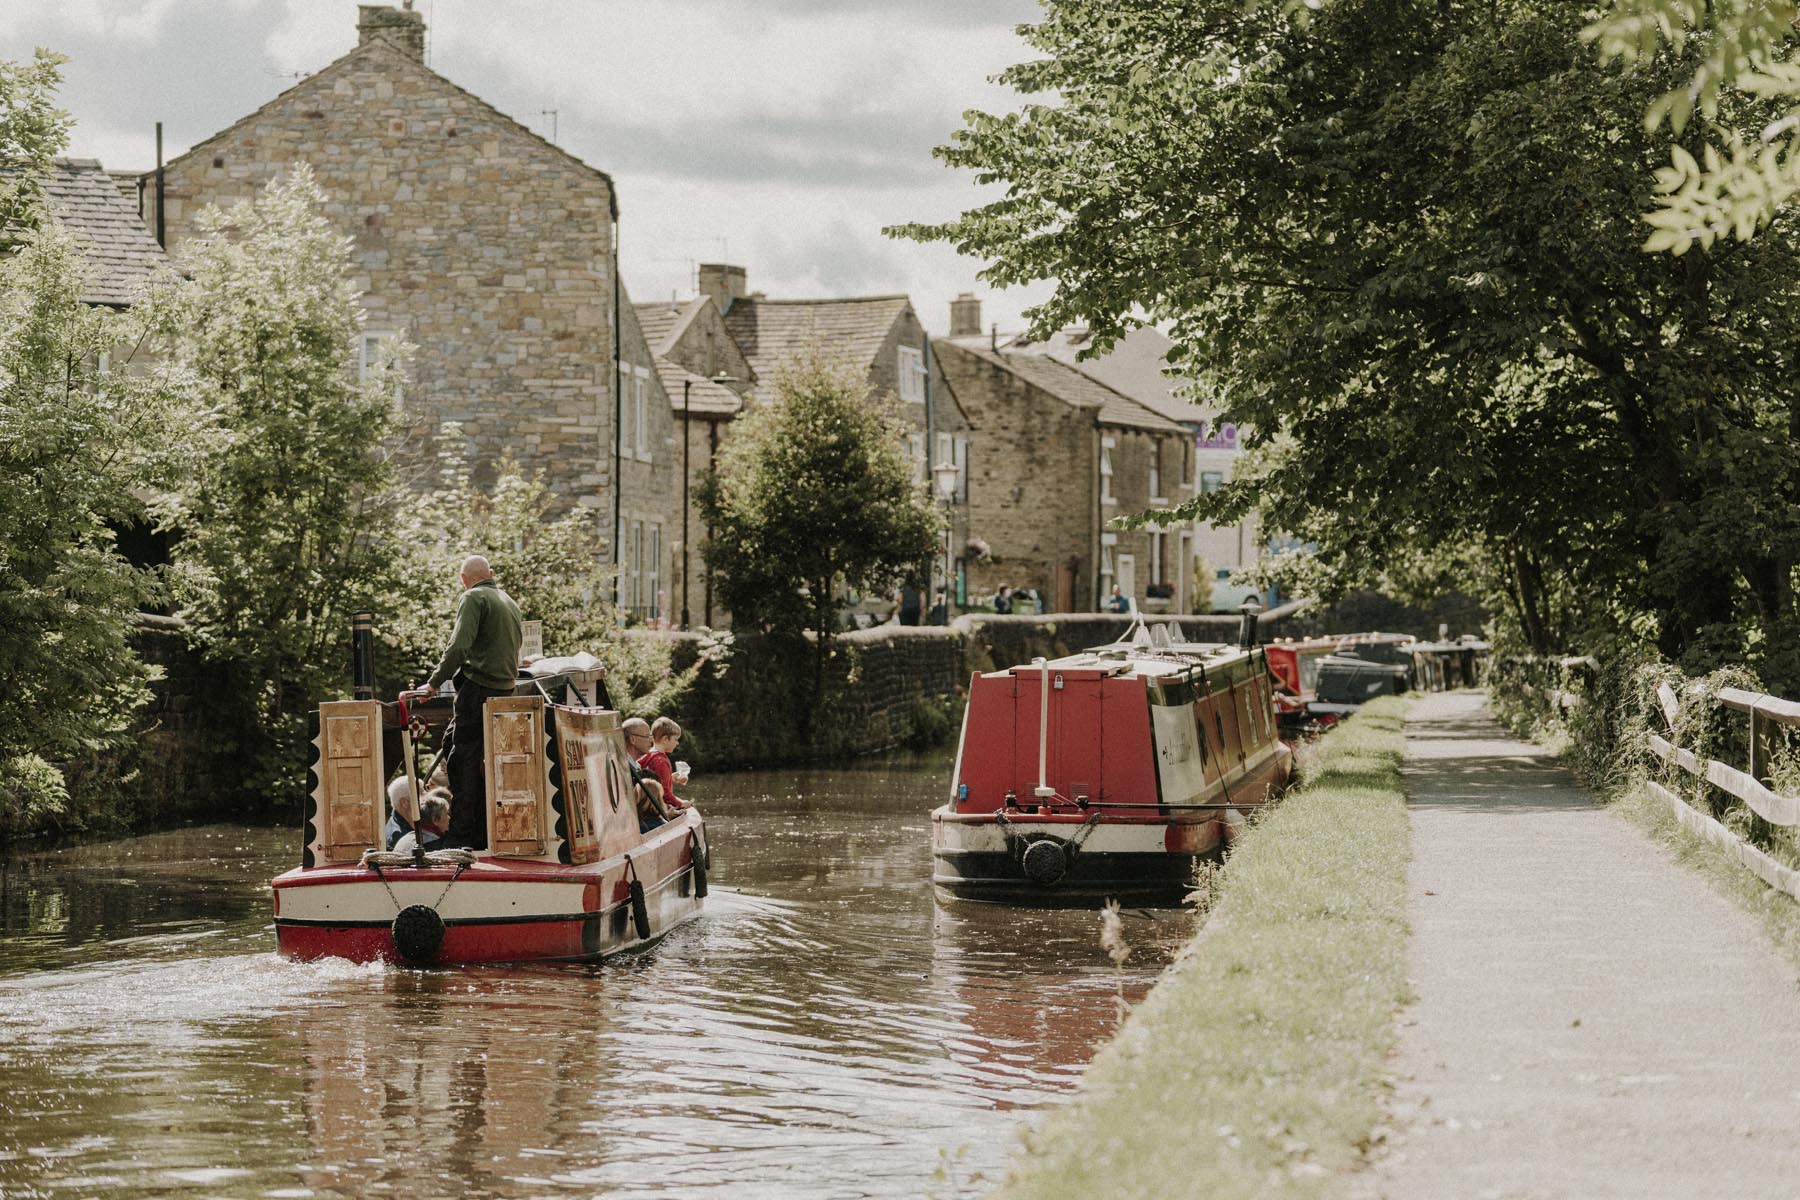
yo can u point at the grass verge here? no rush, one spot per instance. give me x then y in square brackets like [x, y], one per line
[1779, 914]
[1254, 1067]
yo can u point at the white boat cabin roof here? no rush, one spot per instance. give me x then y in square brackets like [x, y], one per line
[1126, 659]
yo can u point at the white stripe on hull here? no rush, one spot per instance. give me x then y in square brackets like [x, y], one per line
[1104, 837]
[368, 900]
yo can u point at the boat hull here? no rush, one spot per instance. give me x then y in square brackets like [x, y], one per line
[497, 909]
[1073, 859]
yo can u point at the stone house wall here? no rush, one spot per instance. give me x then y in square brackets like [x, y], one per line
[704, 347]
[485, 246]
[650, 485]
[1133, 452]
[1032, 479]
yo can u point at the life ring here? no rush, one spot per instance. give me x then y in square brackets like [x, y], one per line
[418, 934]
[1046, 861]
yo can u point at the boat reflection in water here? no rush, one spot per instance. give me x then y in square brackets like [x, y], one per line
[824, 1029]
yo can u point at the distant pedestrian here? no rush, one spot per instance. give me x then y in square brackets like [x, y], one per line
[483, 659]
[1003, 600]
[1117, 602]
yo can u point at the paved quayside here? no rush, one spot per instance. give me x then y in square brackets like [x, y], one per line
[1592, 1020]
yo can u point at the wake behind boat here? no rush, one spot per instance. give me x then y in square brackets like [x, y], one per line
[1110, 773]
[566, 874]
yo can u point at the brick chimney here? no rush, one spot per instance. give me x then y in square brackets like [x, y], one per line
[965, 316]
[723, 283]
[401, 28]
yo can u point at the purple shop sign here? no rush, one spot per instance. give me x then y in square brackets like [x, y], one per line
[1219, 437]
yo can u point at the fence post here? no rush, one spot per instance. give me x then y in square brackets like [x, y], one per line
[1760, 733]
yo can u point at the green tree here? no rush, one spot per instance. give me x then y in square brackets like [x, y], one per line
[556, 566]
[286, 525]
[1728, 180]
[1400, 243]
[80, 443]
[810, 496]
[33, 130]
[82, 439]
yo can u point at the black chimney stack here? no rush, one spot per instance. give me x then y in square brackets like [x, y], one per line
[1247, 631]
[362, 639]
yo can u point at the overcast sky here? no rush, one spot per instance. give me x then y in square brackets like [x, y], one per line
[780, 135]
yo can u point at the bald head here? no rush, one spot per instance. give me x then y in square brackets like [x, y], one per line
[475, 569]
[637, 735]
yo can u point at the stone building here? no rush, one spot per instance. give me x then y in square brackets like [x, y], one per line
[1061, 456]
[488, 248]
[747, 338]
[1194, 558]
[706, 377]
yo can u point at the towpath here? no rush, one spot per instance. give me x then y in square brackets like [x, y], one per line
[1592, 1020]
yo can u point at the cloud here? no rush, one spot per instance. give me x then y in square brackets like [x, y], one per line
[780, 134]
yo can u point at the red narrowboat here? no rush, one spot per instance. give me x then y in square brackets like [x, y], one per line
[1107, 773]
[566, 874]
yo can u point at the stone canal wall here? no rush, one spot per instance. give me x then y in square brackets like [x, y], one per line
[176, 761]
[883, 688]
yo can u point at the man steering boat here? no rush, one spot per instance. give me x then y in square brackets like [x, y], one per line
[483, 661]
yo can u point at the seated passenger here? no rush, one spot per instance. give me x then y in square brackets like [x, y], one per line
[665, 735]
[400, 812]
[432, 825]
[651, 809]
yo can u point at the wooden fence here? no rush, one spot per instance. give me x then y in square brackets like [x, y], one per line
[1766, 714]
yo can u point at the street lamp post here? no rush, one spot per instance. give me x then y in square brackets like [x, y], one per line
[687, 454]
[945, 474]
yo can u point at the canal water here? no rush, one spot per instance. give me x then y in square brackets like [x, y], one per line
[827, 1029]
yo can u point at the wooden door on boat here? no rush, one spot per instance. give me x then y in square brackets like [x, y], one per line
[516, 775]
[349, 798]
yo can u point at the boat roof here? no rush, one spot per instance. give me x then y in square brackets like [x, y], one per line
[1125, 659]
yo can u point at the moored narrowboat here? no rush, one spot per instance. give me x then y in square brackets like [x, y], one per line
[1110, 773]
[566, 874]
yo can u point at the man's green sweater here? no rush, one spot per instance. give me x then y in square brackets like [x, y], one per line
[485, 643]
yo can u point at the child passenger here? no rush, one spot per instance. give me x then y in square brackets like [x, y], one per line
[665, 735]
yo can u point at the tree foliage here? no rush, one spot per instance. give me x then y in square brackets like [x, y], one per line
[33, 131]
[811, 495]
[285, 528]
[1730, 179]
[80, 444]
[82, 440]
[1400, 243]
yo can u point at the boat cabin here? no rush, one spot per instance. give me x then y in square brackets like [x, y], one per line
[1124, 727]
[559, 773]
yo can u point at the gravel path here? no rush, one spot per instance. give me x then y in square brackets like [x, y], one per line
[1591, 1019]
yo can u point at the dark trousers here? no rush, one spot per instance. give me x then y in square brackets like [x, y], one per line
[468, 765]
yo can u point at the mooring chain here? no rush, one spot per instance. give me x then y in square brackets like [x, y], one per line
[376, 867]
[454, 876]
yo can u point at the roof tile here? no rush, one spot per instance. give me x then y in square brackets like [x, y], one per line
[119, 249]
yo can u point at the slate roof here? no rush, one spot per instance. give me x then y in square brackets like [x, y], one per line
[1133, 366]
[772, 333]
[709, 399]
[663, 321]
[120, 251]
[1077, 389]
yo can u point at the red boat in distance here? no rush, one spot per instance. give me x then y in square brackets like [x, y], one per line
[1110, 773]
[1295, 665]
